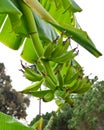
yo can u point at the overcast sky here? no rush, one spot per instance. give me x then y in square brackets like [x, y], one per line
[91, 20]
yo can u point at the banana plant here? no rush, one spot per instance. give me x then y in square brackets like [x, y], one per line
[45, 29]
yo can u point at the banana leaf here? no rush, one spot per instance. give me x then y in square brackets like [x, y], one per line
[9, 123]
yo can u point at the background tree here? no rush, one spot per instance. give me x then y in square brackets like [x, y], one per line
[11, 102]
[88, 113]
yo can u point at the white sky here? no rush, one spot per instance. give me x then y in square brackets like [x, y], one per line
[91, 20]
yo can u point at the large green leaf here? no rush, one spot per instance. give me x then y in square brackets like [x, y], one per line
[9, 123]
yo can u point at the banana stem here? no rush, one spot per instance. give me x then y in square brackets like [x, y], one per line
[35, 37]
[32, 28]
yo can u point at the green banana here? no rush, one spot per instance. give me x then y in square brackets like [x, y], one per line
[67, 56]
[82, 83]
[69, 80]
[48, 50]
[32, 88]
[58, 102]
[49, 83]
[60, 79]
[76, 86]
[85, 88]
[49, 70]
[31, 75]
[71, 71]
[64, 68]
[57, 67]
[72, 87]
[48, 97]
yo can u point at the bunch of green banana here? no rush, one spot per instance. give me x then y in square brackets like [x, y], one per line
[64, 57]
[59, 72]
[79, 86]
[57, 52]
[31, 74]
[84, 86]
[60, 48]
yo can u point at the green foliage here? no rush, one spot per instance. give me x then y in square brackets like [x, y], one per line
[11, 102]
[89, 109]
